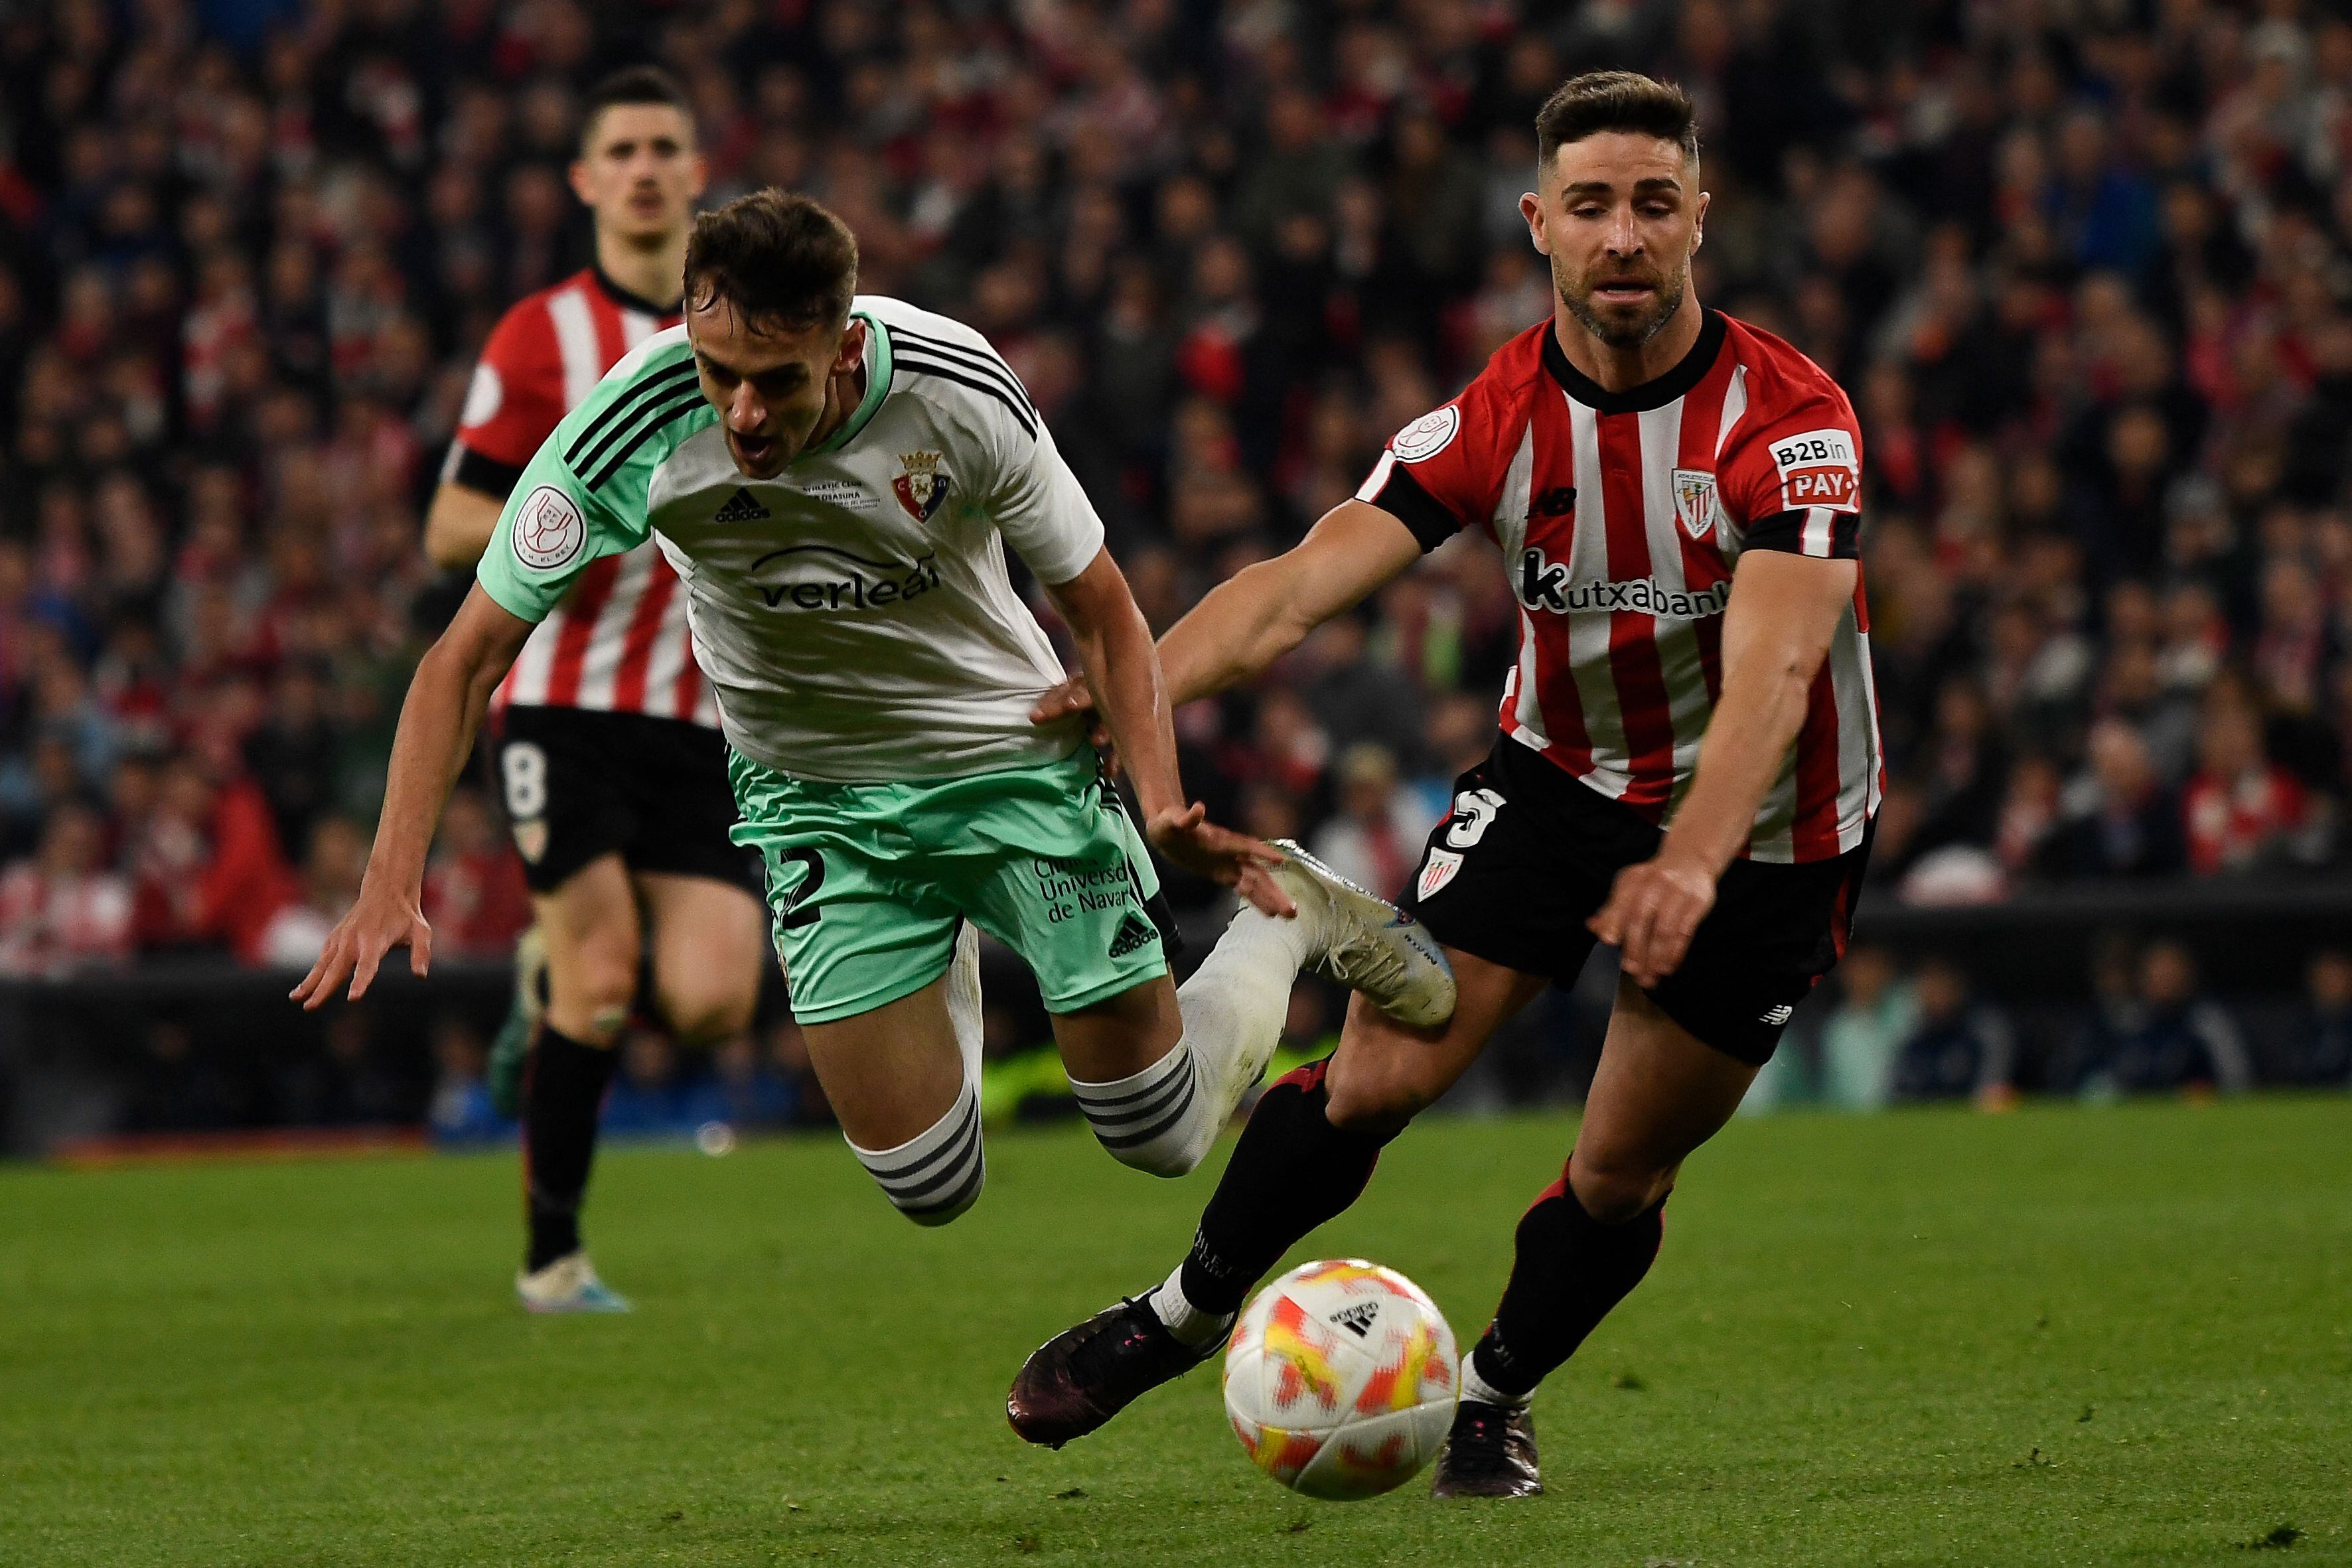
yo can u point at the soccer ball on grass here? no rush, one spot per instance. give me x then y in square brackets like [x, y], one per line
[1341, 1379]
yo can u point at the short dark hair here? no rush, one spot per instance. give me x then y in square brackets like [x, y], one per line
[632, 84]
[779, 258]
[1615, 100]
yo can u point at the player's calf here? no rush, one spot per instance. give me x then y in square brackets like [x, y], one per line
[936, 1174]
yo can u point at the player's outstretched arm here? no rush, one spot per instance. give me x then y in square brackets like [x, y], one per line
[1116, 655]
[458, 525]
[446, 697]
[1265, 609]
[1783, 611]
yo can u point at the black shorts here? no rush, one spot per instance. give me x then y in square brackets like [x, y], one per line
[577, 784]
[1528, 855]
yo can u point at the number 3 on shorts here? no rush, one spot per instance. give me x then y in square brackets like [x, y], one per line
[522, 767]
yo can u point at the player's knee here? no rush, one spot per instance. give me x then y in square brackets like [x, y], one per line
[697, 1017]
[1361, 1099]
[1163, 1120]
[936, 1175]
[592, 992]
[1614, 1194]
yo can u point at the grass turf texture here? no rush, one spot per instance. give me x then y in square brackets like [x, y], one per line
[2062, 1336]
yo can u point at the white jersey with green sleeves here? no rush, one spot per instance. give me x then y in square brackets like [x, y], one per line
[854, 613]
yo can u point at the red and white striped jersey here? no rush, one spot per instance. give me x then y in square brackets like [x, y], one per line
[1621, 516]
[618, 642]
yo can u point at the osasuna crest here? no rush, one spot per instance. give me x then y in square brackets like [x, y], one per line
[1437, 871]
[1695, 501]
[920, 487]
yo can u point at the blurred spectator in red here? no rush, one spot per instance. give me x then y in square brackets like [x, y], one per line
[205, 864]
[2243, 812]
[331, 869]
[62, 911]
[474, 891]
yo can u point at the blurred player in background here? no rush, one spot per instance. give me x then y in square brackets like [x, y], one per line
[1688, 768]
[604, 737]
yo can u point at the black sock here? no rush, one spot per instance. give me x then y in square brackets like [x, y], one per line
[563, 1091]
[1291, 1171]
[1568, 1272]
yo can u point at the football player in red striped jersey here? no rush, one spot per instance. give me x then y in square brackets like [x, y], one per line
[604, 740]
[1687, 767]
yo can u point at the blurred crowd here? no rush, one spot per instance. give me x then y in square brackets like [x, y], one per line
[1888, 1036]
[2085, 269]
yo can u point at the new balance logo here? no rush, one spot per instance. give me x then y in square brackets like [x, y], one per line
[740, 507]
[1778, 1016]
[1132, 933]
[1357, 1319]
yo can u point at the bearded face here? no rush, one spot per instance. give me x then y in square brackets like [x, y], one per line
[1618, 217]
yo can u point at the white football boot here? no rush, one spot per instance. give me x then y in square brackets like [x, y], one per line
[568, 1285]
[1365, 944]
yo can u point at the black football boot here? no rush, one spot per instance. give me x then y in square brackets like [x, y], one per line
[1084, 1375]
[1490, 1452]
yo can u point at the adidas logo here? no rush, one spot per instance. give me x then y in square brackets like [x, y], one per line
[1132, 933]
[740, 507]
[1777, 1016]
[1357, 1319]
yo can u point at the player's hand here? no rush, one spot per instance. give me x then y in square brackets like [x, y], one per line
[376, 924]
[1232, 860]
[1652, 909]
[1072, 697]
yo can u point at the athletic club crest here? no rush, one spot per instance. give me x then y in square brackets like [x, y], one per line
[1436, 872]
[1695, 501]
[920, 487]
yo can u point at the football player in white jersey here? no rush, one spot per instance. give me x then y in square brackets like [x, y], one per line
[836, 479]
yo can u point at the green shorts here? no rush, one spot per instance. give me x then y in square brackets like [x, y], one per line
[870, 882]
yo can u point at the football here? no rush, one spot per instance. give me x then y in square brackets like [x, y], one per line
[1341, 1379]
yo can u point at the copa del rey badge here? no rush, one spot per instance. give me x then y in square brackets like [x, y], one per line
[1695, 501]
[920, 487]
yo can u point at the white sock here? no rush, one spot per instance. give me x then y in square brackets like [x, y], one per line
[1477, 1387]
[937, 1173]
[1188, 1324]
[1236, 1003]
[1156, 1120]
[963, 1000]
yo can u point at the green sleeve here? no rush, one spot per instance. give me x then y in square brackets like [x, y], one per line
[583, 495]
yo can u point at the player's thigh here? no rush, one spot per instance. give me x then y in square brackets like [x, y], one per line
[588, 924]
[707, 941]
[1658, 1093]
[890, 1073]
[1120, 1035]
[1385, 1072]
[1063, 879]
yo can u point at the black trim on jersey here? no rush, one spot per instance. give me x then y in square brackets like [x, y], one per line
[956, 353]
[1656, 392]
[629, 301]
[1402, 497]
[624, 412]
[664, 416]
[1785, 531]
[900, 361]
[487, 475]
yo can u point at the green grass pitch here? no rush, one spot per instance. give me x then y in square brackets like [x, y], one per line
[2116, 1336]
